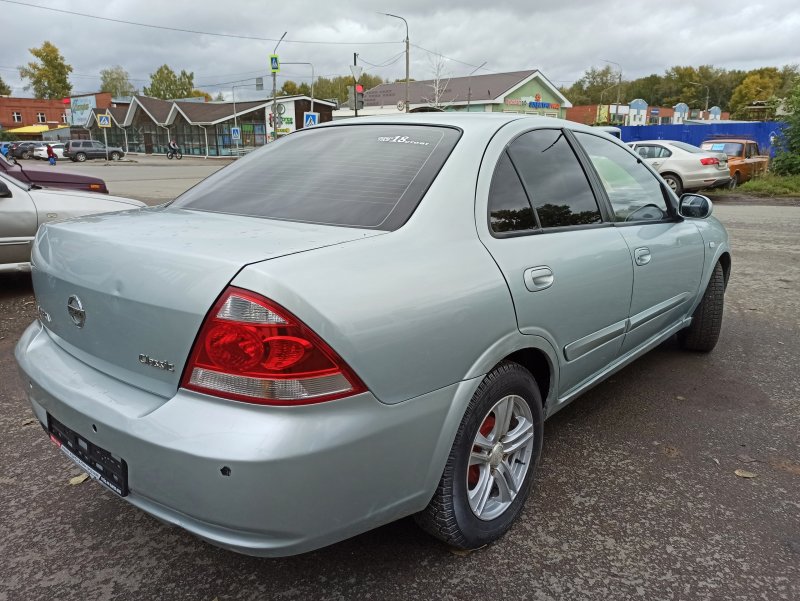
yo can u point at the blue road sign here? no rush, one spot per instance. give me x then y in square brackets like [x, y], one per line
[274, 63]
[310, 119]
[104, 120]
[236, 133]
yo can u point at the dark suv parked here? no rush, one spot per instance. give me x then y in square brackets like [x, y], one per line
[80, 150]
[23, 150]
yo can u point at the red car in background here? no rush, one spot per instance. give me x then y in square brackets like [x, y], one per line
[52, 178]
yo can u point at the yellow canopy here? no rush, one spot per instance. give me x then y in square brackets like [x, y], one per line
[29, 129]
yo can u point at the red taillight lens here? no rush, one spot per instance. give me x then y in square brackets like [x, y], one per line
[709, 161]
[250, 349]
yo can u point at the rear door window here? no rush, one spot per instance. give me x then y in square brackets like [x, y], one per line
[509, 208]
[554, 179]
[368, 176]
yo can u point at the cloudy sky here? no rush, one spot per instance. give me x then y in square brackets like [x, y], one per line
[561, 38]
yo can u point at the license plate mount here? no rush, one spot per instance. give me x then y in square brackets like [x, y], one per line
[101, 465]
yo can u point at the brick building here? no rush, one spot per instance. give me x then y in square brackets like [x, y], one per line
[23, 112]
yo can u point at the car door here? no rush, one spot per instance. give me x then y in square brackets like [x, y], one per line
[98, 150]
[18, 224]
[568, 269]
[667, 251]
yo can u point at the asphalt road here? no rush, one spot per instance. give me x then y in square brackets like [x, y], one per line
[636, 496]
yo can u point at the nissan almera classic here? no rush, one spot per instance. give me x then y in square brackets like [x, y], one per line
[360, 322]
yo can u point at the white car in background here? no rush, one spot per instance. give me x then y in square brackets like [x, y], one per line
[684, 167]
[40, 152]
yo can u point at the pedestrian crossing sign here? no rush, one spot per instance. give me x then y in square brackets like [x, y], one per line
[310, 119]
[104, 120]
[274, 63]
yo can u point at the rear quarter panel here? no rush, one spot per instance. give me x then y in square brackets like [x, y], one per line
[411, 311]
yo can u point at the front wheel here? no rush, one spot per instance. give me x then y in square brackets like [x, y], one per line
[491, 465]
[114, 156]
[734, 183]
[80, 157]
[703, 333]
[178, 155]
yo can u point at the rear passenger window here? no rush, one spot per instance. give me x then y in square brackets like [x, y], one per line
[554, 179]
[634, 192]
[509, 209]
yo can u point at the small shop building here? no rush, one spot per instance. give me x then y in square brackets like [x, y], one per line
[526, 92]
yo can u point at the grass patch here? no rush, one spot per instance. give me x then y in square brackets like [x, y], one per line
[768, 186]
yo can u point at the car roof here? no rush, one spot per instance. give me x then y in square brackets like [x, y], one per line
[462, 120]
[736, 140]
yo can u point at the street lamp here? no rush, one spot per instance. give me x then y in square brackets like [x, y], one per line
[407, 75]
[619, 76]
[616, 85]
[275, 93]
[702, 85]
[312, 82]
[469, 84]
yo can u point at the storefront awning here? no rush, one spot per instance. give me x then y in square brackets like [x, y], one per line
[29, 129]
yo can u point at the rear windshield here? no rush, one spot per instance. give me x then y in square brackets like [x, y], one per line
[732, 149]
[686, 147]
[369, 176]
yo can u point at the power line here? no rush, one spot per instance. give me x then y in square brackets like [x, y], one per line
[194, 31]
[455, 60]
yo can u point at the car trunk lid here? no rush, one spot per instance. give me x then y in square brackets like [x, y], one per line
[126, 293]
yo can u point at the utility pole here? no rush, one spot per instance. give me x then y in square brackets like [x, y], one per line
[355, 87]
[619, 78]
[407, 51]
[708, 93]
[469, 84]
[275, 94]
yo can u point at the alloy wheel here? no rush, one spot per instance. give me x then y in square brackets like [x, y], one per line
[500, 457]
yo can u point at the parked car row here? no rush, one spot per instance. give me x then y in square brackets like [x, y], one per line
[75, 150]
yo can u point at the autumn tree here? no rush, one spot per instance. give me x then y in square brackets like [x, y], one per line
[48, 74]
[116, 81]
[5, 89]
[166, 84]
[595, 86]
[289, 88]
[759, 84]
[200, 94]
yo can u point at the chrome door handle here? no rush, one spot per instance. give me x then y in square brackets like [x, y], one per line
[642, 256]
[538, 278]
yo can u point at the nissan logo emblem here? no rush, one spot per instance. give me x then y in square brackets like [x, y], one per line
[75, 310]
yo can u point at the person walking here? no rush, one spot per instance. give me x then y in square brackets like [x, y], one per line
[51, 155]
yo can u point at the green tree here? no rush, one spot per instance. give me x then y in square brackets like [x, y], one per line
[5, 89]
[787, 157]
[48, 74]
[595, 85]
[759, 84]
[200, 94]
[116, 81]
[219, 97]
[166, 84]
[289, 88]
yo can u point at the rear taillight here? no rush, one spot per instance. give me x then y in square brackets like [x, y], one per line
[709, 161]
[250, 349]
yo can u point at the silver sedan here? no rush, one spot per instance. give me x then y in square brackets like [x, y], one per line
[23, 208]
[365, 320]
[683, 166]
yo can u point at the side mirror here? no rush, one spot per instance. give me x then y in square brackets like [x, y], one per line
[695, 206]
[5, 192]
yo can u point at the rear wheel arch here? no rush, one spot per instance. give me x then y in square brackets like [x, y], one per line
[539, 365]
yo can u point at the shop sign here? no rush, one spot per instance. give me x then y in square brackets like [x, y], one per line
[533, 103]
[654, 111]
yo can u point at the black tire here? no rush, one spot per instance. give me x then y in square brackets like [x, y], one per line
[114, 156]
[178, 155]
[26, 155]
[169, 156]
[449, 516]
[734, 183]
[80, 157]
[674, 182]
[703, 333]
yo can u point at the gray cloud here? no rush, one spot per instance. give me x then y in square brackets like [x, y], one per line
[562, 39]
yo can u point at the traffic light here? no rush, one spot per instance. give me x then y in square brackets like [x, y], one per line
[359, 96]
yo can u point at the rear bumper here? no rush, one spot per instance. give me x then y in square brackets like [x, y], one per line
[716, 180]
[299, 477]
